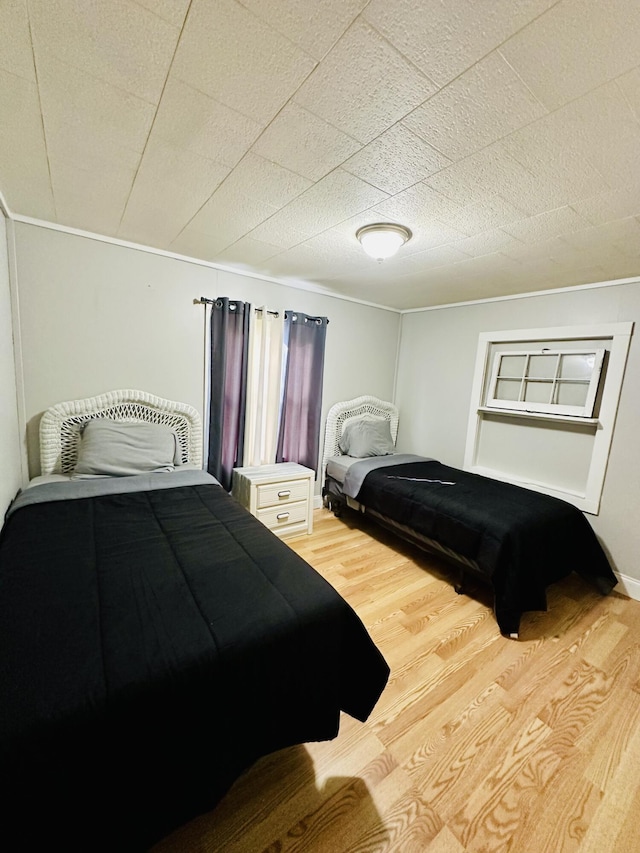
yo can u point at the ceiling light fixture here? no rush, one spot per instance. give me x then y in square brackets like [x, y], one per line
[382, 239]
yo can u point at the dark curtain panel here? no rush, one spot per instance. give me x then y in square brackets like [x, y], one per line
[227, 396]
[302, 395]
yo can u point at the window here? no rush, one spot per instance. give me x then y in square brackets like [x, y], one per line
[562, 382]
[543, 407]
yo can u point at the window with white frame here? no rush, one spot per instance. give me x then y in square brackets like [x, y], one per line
[558, 381]
[542, 409]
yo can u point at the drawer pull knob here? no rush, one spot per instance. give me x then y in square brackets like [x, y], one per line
[285, 493]
[281, 516]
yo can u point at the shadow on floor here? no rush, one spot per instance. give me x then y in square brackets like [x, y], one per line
[277, 805]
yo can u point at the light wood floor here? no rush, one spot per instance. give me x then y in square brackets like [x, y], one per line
[479, 743]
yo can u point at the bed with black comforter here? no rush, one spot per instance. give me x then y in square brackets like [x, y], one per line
[518, 540]
[154, 642]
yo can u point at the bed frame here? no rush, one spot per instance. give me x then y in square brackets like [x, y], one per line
[61, 425]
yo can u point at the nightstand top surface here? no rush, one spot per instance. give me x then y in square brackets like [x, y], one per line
[278, 471]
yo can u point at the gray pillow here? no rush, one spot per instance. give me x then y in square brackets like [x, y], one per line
[366, 437]
[114, 449]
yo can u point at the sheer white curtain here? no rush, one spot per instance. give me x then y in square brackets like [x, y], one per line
[264, 387]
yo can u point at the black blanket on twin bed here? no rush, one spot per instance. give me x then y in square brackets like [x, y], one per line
[152, 646]
[521, 540]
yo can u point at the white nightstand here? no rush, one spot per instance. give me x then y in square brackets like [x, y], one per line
[280, 496]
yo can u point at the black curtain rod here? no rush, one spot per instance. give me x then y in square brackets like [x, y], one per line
[204, 301]
[315, 319]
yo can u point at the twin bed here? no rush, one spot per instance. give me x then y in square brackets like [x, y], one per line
[517, 540]
[155, 638]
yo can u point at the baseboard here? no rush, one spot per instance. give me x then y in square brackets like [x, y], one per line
[317, 502]
[628, 586]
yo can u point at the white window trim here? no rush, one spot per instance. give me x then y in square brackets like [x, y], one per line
[526, 408]
[620, 336]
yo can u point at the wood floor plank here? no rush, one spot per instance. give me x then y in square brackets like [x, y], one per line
[445, 842]
[479, 744]
[608, 739]
[605, 829]
[491, 814]
[441, 769]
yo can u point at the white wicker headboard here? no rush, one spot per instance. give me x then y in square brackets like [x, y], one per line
[359, 407]
[60, 425]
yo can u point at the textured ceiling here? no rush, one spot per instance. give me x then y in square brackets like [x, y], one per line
[261, 134]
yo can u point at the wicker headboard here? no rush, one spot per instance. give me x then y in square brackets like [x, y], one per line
[359, 407]
[60, 425]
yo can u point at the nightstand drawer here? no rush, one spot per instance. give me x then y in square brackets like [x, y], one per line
[276, 516]
[276, 494]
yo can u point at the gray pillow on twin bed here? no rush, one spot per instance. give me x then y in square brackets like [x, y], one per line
[113, 449]
[367, 437]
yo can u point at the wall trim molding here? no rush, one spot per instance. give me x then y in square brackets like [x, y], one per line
[529, 295]
[16, 329]
[630, 586]
[4, 207]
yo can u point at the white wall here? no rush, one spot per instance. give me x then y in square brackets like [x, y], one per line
[96, 316]
[10, 445]
[435, 372]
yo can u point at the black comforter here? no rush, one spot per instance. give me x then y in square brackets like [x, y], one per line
[521, 540]
[152, 646]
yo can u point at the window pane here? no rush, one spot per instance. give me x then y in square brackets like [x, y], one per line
[578, 366]
[543, 366]
[508, 389]
[571, 393]
[538, 392]
[512, 365]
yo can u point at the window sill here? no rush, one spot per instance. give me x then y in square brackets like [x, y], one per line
[543, 416]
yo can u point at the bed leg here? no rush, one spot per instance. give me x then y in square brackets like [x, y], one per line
[330, 502]
[509, 622]
[333, 506]
[459, 584]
